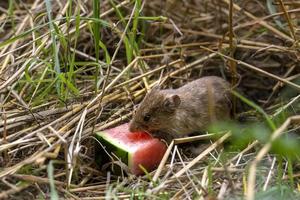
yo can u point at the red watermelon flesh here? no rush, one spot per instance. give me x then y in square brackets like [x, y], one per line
[133, 148]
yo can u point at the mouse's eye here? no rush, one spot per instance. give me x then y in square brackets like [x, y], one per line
[147, 118]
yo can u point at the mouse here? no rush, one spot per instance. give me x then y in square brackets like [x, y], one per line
[175, 113]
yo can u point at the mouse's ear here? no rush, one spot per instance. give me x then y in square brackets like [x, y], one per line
[172, 102]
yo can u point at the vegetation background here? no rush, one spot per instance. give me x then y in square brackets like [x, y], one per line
[70, 68]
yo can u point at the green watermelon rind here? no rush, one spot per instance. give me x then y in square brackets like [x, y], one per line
[111, 145]
[126, 154]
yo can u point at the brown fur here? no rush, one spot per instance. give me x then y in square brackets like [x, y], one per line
[185, 110]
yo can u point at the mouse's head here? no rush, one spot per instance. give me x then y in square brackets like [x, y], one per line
[155, 111]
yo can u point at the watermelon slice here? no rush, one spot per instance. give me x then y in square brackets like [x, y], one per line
[132, 148]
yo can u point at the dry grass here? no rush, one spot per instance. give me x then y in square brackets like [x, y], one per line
[57, 88]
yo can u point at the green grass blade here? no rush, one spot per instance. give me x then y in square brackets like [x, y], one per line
[68, 84]
[257, 108]
[54, 46]
[107, 56]
[40, 27]
[96, 33]
[11, 13]
[53, 192]
[126, 40]
[71, 73]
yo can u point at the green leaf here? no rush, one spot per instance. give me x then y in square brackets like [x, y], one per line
[54, 46]
[257, 108]
[96, 33]
[107, 56]
[69, 84]
[53, 192]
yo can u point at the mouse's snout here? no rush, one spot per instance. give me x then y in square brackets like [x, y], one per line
[133, 126]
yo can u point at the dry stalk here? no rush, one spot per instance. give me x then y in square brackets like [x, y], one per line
[288, 19]
[260, 21]
[202, 155]
[256, 69]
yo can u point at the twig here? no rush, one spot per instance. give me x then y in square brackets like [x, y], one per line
[163, 162]
[288, 19]
[291, 84]
[202, 155]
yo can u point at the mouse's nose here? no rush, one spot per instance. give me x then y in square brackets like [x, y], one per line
[133, 127]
